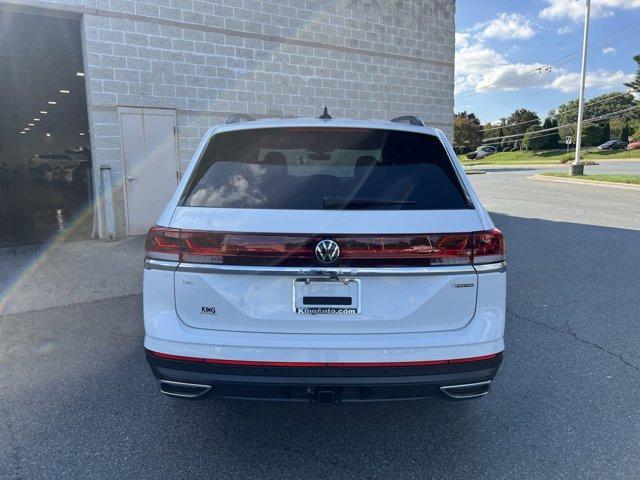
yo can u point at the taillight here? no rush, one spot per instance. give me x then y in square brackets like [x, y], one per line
[163, 244]
[390, 250]
[488, 247]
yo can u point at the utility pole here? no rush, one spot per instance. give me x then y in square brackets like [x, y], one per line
[577, 167]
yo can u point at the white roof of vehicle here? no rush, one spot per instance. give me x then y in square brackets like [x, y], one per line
[316, 122]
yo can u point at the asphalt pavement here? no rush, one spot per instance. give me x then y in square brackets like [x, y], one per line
[78, 401]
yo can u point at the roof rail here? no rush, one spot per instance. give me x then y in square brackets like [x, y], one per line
[240, 117]
[410, 119]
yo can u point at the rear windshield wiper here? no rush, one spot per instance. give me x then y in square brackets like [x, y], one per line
[359, 202]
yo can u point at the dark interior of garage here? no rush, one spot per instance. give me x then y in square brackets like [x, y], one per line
[45, 156]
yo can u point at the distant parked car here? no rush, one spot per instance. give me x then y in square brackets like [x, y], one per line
[44, 162]
[634, 146]
[485, 151]
[613, 145]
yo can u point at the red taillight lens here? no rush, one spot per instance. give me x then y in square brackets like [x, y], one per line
[488, 247]
[246, 248]
[299, 250]
[163, 244]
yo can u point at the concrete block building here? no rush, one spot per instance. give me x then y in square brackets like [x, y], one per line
[158, 73]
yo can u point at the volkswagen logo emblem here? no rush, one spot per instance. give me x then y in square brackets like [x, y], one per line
[327, 251]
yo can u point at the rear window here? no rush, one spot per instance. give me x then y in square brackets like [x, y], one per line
[325, 168]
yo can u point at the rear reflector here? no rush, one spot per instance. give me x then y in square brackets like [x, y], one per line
[258, 363]
[268, 249]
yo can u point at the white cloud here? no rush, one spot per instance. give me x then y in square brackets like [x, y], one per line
[478, 66]
[565, 30]
[608, 50]
[558, 9]
[462, 39]
[568, 82]
[507, 26]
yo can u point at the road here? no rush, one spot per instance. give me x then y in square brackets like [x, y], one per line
[78, 401]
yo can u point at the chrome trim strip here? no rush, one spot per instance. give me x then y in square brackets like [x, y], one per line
[445, 390]
[498, 267]
[330, 272]
[150, 264]
[204, 388]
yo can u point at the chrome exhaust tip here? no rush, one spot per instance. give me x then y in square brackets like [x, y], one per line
[183, 390]
[466, 391]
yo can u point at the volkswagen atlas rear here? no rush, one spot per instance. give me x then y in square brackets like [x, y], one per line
[326, 261]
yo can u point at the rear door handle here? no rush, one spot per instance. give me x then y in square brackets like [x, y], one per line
[130, 178]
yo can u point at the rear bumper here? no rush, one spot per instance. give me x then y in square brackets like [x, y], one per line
[324, 384]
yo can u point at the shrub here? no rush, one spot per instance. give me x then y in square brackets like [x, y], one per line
[507, 149]
[532, 139]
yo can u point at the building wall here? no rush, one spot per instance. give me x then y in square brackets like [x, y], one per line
[210, 58]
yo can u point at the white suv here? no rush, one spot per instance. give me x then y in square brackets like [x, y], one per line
[324, 260]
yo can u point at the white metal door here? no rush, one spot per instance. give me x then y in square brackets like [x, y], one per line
[150, 164]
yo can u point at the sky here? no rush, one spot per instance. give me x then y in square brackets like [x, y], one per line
[501, 44]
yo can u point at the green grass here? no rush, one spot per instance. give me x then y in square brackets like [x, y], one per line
[548, 157]
[631, 179]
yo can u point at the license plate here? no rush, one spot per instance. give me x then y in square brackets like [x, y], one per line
[326, 296]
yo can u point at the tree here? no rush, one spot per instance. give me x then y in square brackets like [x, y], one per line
[506, 143]
[625, 132]
[606, 132]
[635, 83]
[467, 132]
[620, 129]
[567, 113]
[469, 115]
[515, 124]
[532, 139]
[551, 139]
[593, 135]
[634, 125]
[492, 130]
[519, 121]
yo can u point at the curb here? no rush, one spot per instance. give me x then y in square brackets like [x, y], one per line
[474, 172]
[596, 183]
[489, 166]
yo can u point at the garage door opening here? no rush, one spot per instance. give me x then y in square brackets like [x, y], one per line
[45, 155]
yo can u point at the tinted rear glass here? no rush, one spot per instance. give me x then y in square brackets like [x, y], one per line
[325, 168]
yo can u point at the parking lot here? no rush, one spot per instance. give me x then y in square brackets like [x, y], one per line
[78, 400]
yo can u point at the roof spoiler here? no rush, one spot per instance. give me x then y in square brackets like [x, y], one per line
[410, 119]
[240, 117]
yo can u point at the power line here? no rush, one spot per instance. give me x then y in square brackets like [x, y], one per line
[594, 120]
[543, 68]
[600, 117]
[588, 104]
[547, 67]
[541, 136]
